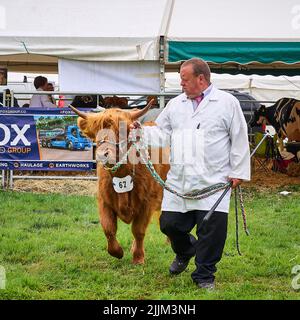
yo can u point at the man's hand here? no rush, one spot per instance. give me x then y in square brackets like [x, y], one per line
[135, 131]
[235, 182]
[135, 125]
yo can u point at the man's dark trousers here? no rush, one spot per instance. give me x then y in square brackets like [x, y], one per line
[209, 246]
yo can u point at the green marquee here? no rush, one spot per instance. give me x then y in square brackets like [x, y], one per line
[240, 52]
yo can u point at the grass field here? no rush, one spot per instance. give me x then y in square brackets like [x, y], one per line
[52, 247]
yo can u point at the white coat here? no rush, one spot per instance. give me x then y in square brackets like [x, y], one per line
[208, 145]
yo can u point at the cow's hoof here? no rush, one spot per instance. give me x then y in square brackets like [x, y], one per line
[137, 261]
[117, 253]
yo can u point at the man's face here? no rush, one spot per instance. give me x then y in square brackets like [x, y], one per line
[192, 85]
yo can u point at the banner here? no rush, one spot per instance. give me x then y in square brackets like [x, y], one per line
[110, 77]
[42, 139]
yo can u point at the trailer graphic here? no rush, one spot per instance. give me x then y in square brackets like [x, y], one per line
[69, 137]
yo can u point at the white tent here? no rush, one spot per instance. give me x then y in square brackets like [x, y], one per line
[233, 35]
[245, 36]
[91, 30]
[262, 88]
[94, 45]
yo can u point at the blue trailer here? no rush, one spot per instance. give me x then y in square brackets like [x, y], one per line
[71, 138]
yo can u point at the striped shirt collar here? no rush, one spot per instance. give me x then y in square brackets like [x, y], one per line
[206, 92]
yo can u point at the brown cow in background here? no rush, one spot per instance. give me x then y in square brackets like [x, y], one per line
[135, 206]
[117, 102]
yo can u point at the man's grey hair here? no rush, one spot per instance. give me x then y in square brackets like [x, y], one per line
[199, 67]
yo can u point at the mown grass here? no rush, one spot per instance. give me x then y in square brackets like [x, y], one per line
[52, 247]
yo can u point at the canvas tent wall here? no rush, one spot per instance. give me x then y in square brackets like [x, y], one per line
[262, 88]
[63, 36]
[234, 36]
[261, 37]
[90, 30]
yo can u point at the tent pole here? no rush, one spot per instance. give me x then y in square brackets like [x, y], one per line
[250, 86]
[162, 47]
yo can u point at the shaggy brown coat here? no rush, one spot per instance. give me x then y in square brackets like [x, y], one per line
[136, 206]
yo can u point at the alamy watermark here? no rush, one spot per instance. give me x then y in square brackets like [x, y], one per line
[114, 146]
[296, 278]
[2, 278]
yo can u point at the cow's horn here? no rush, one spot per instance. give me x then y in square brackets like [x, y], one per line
[81, 114]
[136, 114]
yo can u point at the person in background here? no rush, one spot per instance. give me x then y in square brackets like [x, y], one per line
[41, 101]
[50, 87]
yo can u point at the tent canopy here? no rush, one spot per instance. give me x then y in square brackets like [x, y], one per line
[90, 30]
[257, 35]
[233, 36]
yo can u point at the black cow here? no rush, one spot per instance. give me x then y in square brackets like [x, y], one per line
[87, 101]
[284, 116]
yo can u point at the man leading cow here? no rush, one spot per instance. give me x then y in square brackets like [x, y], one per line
[212, 121]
